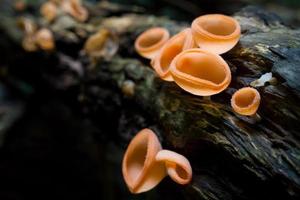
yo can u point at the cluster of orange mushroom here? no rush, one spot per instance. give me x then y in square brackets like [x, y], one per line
[145, 163]
[43, 39]
[34, 38]
[192, 58]
[50, 9]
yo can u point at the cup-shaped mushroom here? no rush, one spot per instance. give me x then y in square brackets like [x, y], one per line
[178, 167]
[29, 43]
[150, 41]
[179, 42]
[200, 72]
[140, 169]
[27, 25]
[216, 33]
[75, 9]
[20, 5]
[49, 11]
[245, 101]
[44, 39]
[103, 44]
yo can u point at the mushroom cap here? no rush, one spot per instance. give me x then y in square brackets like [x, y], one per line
[178, 167]
[140, 169]
[75, 9]
[200, 72]
[44, 39]
[29, 44]
[103, 44]
[245, 101]
[179, 42]
[20, 5]
[216, 33]
[49, 11]
[150, 41]
[27, 25]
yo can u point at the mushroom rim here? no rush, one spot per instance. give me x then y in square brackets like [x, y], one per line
[198, 81]
[179, 179]
[185, 32]
[165, 35]
[254, 102]
[149, 135]
[174, 161]
[198, 28]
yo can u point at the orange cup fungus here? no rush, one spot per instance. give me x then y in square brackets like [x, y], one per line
[245, 101]
[140, 169]
[216, 33]
[145, 164]
[44, 39]
[27, 25]
[75, 9]
[35, 39]
[29, 44]
[49, 11]
[101, 44]
[150, 42]
[178, 43]
[213, 33]
[200, 72]
[20, 5]
[178, 167]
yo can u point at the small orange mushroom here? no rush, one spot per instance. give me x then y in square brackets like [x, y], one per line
[140, 169]
[200, 72]
[178, 43]
[29, 43]
[178, 167]
[27, 25]
[145, 164]
[20, 5]
[216, 33]
[75, 9]
[103, 44]
[150, 42]
[49, 11]
[245, 101]
[29, 28]
[44, 39]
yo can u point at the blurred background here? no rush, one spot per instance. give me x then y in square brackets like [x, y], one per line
[51, 147]
[184, 10]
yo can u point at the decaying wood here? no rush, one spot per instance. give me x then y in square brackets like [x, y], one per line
[232, 157]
